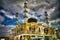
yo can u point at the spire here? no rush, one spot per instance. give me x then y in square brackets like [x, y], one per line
[16, 23]
[16, 18]
[25, 11]
[46, 15]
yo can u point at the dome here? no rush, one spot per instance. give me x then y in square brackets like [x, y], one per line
[32, 20]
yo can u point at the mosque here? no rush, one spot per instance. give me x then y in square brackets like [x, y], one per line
[31, 29]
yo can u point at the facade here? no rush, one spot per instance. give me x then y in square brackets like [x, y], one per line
[31, 29]
[34, 30]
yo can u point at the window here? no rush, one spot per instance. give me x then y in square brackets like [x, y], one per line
[34, 29]
[39, 29]
[22, 30]
[30, 29]
[46, 31]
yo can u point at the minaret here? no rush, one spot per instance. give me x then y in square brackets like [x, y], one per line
[16, 23]
[16, 19]
[46, 16]
[25, 11]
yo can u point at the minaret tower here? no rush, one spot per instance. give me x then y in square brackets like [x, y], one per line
[46, 16]
[16, 23]
[16, 19]
[25, 11]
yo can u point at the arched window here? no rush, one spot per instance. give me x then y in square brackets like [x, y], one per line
[30, 29]
[39, 29]
[46, 31]
[20, 37]
[21, 30]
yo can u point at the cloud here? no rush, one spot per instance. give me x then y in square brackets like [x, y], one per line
[55, 23]
[50, 7]
[57, 20]
[13, 4]
[56, 13]
[4, 30]
[2, 19]
[7, 18]
[1, 2]
[34, 6]
[8, 14]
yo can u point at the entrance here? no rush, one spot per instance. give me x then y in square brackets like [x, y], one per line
[47, 38]
[24, 37]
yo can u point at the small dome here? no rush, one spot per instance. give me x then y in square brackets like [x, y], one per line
[32, 20]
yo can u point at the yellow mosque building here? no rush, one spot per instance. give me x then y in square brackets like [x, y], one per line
[31, 29]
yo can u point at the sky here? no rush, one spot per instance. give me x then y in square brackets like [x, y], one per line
[36, 8]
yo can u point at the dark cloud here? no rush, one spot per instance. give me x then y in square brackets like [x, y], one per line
[4, 33]
[12, 4]
[48, 5]
[44, 3]
[1, 2]
[9, 1]
[4, 30]
[36, 8]
[56, 25]
[56, 13]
